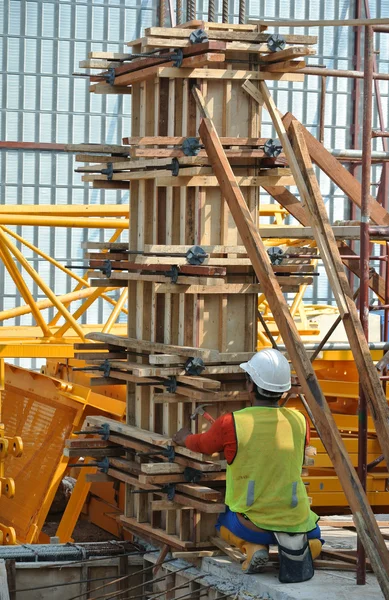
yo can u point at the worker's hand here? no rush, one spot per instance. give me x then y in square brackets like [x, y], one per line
[181, 435]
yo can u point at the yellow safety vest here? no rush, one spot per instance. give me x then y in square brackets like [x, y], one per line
[264, 480]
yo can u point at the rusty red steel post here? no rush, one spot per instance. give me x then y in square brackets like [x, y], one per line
[355, 128]
[386, 310]
[364, 267]
[322, 108]
[386, 318]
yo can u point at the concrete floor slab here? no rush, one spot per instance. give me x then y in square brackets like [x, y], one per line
[325, 585]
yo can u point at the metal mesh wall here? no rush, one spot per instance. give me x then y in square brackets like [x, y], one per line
[41, 44]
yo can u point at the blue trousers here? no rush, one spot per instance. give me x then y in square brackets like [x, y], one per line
[230, 520]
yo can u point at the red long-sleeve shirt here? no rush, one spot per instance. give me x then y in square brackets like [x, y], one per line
[221, 437]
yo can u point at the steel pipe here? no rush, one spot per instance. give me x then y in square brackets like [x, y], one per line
[67, 210]
[6, 257]
[115, 236]
[82, 222]
[350, 153]
[324, 72]
[43, 286]
[364, 268]
[338, 346]
[18, 311]
[383, 134]
[116, 311]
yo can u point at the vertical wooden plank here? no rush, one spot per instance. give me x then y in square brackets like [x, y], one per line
[183, 323]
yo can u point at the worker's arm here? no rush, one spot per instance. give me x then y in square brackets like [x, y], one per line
[220, 437]
[307, 432]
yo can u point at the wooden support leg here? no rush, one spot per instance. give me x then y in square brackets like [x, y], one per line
[296, 209]
[339, 174]
[329, 252]
[364, 518]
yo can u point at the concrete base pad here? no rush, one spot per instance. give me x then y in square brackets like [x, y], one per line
[325, 585]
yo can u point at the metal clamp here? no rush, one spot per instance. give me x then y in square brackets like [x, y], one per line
[110, 76]
[171, 384]
[276, 255]
[276, 42]
[106, 368]
[108, 171]
[196, 255]
[103, 464]
[174, 167]
[191, 146]
[173, 273]
[170, 490]
[194, 366]
[106, 269]
[177, 57]
[198, 36]
[167, 451]
[103, 430]
[192, 475]
[272, 149]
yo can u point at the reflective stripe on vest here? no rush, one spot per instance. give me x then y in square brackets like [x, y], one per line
[264, 480]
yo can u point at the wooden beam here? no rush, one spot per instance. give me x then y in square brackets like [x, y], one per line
[131, 76]
[376, 282]
[143, 345]
[175, 32]
[365, 521]
[296, 209]
[287, 54]
[235, 74]
[143, 435]
[339, 174]
[211, 181]
[288, 66]
[330, 256]
[178, 141]
[321, 23]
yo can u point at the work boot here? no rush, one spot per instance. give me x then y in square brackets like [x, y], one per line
[257, 555]
[315, 547]
[257, 558]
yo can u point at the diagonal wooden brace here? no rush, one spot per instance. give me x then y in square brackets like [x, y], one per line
[364, 518]
[300, 163]
[296, 209]
[332, 261]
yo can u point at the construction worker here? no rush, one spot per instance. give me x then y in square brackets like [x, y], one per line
[266, 499]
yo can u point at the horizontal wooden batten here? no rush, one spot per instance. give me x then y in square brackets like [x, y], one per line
[203, 60]
[228, 288]
[211, 181]
[226, 74]
[242, 36]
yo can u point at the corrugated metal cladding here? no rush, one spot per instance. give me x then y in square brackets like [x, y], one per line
[42, 44]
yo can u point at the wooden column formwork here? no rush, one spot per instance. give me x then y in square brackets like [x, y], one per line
[186, 216]
[207, 313]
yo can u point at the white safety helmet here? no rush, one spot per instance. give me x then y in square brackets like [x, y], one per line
[269, 370]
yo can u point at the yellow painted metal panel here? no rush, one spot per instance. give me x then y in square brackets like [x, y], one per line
[44, 426]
